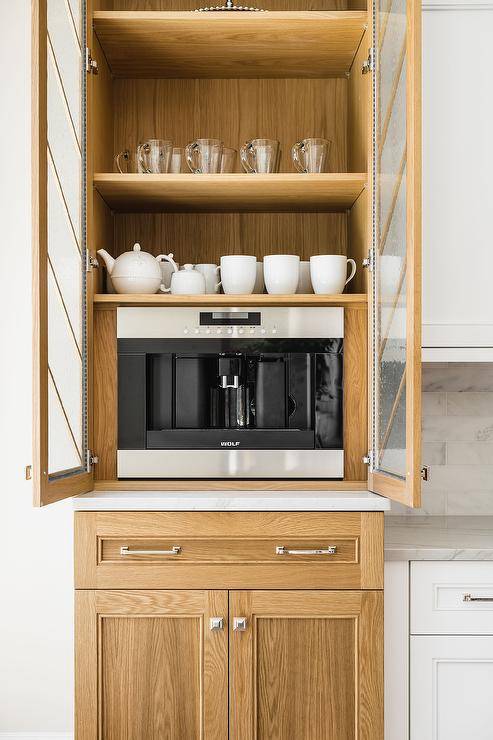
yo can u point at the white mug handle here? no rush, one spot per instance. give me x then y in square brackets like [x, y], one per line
[162, 289]
[168, 258]
[353, 270]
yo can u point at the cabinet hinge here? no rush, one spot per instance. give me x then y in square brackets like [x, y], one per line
[90, 261]
[368, 458]
[91, 460]
[424, 472]
[369, 262]
[28, 472]
[91, 64]
[369, 63]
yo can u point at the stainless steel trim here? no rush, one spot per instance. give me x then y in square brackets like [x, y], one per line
[470, 597]
[306, 322]
[125, 550]
[226, 463]
[281, 550]
[216, 623]
[240, 624]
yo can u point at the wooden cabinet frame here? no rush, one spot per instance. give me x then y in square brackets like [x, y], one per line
[352, 229]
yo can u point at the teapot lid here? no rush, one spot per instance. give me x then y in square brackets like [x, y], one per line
[188, 267]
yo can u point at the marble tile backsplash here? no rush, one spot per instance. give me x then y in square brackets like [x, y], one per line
[457, 443]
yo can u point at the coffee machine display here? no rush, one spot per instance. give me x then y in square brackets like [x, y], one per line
[252, 393]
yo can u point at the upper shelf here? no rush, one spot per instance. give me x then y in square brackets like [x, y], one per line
[220, 44]
[230, 193]
[255, 299]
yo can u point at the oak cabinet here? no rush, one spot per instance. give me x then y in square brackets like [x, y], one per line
[154, 664]
[108, 75]
[244, 656]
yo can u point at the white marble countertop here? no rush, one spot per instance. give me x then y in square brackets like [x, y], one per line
[438, 538]
[231, 501]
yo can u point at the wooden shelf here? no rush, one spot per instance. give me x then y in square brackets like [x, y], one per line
[218, 44]
[230, 193]
[345, 299]
[215, 484]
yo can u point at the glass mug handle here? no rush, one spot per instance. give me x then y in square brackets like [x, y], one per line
[245, 155]
[140, 158]
[190, 151]
[353, 270]
[167, 258]
[122, 155]
[297, 152]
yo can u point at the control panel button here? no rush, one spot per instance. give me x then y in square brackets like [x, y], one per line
[252, 331]
[263, 330]
[274, 329]
[196, 330]
[185, 330]
[241, 330]
[230, 330]
[207, 331]
[218, 331]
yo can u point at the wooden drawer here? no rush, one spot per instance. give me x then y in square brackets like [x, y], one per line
[452, 598]
[228, 550]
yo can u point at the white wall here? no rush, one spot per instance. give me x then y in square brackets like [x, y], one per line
[36, 612]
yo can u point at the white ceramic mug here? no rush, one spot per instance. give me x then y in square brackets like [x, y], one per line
[211, 275]
[281, 273]
[328, 273]
[305, 281]
[238, 274]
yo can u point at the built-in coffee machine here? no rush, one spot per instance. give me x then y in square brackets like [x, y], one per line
[215, 393]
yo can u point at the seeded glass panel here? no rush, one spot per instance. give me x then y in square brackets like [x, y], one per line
[66, 213]
[389, 276]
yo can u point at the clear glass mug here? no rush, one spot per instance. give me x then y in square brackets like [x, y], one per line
[260, 156]
[128, 161]
[311, 155]
[204, 156]
[154, 156]
[178, 163]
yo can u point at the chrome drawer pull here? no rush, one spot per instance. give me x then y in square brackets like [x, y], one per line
[281, 550]
[470, 597]
[125, 550]
[240, 624]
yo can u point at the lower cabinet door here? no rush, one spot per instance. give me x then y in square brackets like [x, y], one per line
[151, 665]
[306, 665]
[451, 688]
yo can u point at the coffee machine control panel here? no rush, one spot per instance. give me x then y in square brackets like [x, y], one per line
[281, 322]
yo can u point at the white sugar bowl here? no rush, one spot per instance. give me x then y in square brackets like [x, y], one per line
[133, 272]
[186, 281]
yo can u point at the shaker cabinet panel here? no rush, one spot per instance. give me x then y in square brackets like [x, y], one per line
[306, 664]
[162, 668]
[451, 688]
[457, 185]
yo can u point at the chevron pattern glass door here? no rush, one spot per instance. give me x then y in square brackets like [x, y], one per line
[66, 315]
[390, 240]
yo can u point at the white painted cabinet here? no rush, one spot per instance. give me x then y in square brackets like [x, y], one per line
[438, 651]
[457, 183]
[451, 687]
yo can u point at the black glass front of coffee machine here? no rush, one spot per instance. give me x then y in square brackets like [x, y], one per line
[230, 393]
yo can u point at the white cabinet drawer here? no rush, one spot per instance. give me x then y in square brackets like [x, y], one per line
[452, 598]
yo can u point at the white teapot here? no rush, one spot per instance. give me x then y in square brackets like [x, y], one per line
[134, 271]
[186, 281]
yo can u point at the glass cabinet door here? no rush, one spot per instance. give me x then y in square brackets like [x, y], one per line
[396, 281]
[59, 251]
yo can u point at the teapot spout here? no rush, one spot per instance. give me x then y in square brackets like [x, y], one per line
[108, 260]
